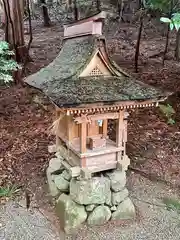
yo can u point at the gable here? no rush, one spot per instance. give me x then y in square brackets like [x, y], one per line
[96, 67]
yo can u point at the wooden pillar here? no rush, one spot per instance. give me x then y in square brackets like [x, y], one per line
[119, 129]
[83, 136]
[83, 139]
[119, 133]
[125, 135]
[105, 128]
[69, 128]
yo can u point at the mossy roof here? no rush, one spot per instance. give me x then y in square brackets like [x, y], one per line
[60, 80]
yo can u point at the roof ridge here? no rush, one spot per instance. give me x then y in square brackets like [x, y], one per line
[94, 17]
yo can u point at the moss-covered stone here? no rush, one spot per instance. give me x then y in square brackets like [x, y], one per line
[90, 207]
[66, 175]
[117, 180]
[113, 208]
[55, 165]
[54, 191]
[91, 191]
[125, 210]
[118, 197]
[71, 214]
[61, 183]
[99, 216]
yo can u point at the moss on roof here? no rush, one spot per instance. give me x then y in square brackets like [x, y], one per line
[100, 89]
[61, 83]
[73, 57]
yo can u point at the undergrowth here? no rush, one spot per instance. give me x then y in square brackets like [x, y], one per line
[172, 204]
[8, 191]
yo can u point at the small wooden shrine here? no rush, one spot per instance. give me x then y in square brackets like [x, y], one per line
[88, 89]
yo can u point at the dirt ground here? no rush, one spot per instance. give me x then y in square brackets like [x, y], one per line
[26, 115]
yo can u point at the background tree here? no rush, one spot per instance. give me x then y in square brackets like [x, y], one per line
[14, 27]
[46, 18]
[167, 8]
[174, 22]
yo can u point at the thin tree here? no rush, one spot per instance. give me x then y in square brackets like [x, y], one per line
[98, 5]
[76, 11]
[46, 18]
[177, 49]
[138, 43]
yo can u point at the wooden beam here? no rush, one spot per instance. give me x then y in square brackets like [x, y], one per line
[89, 118]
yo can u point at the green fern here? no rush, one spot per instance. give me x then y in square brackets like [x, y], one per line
[7, 64]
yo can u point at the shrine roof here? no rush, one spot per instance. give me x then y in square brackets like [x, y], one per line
[62, 83]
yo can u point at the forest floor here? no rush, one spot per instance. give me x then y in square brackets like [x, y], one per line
[26, 115]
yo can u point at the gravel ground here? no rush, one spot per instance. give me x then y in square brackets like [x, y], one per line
[153, 220]
[17, 223]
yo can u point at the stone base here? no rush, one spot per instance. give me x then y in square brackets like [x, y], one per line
[97, 200]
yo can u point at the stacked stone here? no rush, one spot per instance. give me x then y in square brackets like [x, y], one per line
[96, 200]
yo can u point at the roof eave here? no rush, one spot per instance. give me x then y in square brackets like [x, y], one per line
[106, 103]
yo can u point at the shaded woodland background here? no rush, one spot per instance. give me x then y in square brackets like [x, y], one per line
[139, 42]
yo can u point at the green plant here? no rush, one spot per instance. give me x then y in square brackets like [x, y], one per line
[7, 64]
[174, 21]
[172, 204]
[168, 111]
[8, 191]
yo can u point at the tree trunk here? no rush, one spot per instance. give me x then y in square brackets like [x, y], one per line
[139, 4]
[98, 5]
[138, 44]
[32, 8]
[47, 21]
[14, 32]
[167, 34]
[166, 46]
[177, 50]
[76, 12]
[120, 9]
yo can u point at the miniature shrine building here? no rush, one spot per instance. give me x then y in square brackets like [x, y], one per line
[88, 89]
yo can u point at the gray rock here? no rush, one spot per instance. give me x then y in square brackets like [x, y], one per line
[61, 183]
[113, 208]
[118, 197]
[90, 207]
[99, 216]
[117, 179]
[91, 191]
[109, 198]
[52, 148]
[125, 210]
[66, 175]
[71, 214]
[55, 165]
[52, 187]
